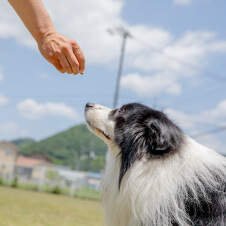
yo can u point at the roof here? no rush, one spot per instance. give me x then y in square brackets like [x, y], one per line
[40, 156]
[29, 162]
[7, 145]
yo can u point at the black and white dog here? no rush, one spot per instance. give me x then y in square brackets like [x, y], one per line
[156, 175]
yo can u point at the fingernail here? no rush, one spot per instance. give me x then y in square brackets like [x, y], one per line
[81, 73]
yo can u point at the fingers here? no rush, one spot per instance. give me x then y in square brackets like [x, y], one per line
[64, 63]
[58, 66]
[80, 57]
[75, 57]
[55, 62]
[73, 62]
[64, 53]
[67, 62]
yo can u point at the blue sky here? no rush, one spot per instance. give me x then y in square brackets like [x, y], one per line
[175, 62]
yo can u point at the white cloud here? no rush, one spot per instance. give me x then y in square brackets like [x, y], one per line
[83, 20]
[218, 113]
[11, 26]
[144, 35]
[87, 21]
[151, 85]
[182, 2]
[187, 121]
[33, 110]
[153, 50]
[183, 55]
[197, 122]
[212, 142]
[179, 58]
[215, 116]
[3, 100]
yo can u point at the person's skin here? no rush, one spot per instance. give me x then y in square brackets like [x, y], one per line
[64, 53]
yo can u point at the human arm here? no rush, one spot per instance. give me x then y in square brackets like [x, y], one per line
[64, 53]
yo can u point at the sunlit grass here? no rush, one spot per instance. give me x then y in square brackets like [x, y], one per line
[25, 208]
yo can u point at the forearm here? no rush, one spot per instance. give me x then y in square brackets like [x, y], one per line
[34, 16]
[64, 53]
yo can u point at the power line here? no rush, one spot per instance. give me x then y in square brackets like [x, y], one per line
[126, 34]
[201, 94]
[192, 67]
[216, 130]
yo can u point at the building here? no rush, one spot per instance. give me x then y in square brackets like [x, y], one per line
[8, 155]
[30, 168]
[94, 180]
[40, 156]
[38, 169]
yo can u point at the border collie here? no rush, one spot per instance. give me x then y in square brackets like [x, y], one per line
[155, 174]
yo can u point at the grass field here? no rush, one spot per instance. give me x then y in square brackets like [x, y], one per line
[30, 208]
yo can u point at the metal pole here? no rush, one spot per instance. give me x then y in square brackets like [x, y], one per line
[125, 35]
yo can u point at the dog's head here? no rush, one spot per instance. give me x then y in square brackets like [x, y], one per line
[99, 122]
[138, 131]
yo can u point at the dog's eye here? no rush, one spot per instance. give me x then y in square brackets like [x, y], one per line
[120, 111]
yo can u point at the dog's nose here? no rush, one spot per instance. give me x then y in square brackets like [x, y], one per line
[89, 105]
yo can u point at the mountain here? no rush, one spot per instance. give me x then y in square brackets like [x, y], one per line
[23, 141]
[76, 147]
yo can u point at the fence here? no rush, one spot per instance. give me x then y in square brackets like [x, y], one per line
[55, 179]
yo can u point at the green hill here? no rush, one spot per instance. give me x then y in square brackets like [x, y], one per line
[23, 142]
[76, 147]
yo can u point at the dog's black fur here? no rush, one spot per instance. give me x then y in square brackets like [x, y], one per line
[146, 123]
[141, 131]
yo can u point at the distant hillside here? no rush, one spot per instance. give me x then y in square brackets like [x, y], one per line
[76, 147]
[22, 142]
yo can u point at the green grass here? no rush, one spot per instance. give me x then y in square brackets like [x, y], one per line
[25, 208]
[86, 193]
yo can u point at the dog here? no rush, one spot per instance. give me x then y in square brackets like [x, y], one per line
[156, 175]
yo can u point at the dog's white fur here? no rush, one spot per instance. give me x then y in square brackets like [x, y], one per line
[161, 180]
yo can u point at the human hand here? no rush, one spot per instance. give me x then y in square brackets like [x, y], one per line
[62, 52]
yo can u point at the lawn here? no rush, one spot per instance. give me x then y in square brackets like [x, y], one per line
[30, 208]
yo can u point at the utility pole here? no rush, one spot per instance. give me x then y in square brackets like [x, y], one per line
[125, 34]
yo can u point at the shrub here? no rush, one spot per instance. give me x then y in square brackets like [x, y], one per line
[2, 182]
[56, 190]
[14, 183]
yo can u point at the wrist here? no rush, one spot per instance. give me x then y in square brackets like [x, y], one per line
[42, 34]
[44, 28]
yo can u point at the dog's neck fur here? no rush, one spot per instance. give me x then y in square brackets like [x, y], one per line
[157, 188]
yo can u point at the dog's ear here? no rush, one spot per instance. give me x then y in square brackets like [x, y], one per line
[155, 138]
[161, 138]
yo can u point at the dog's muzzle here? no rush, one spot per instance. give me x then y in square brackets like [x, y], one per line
[88, 106]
